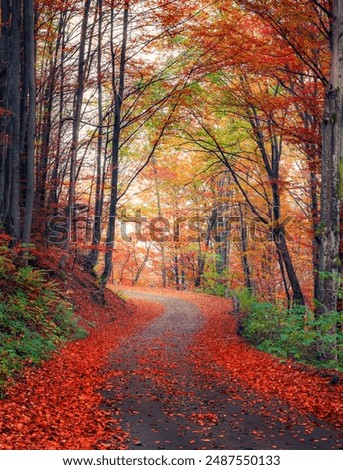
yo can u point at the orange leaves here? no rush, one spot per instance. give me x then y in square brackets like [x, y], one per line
[301, 387]
[59, 406]
[205, 418]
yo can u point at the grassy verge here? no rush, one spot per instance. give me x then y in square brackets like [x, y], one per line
[294, 333]
[34, 318]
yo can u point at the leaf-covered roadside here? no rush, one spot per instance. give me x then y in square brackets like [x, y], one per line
[170, 391]
[305, 388]
[58, 405]
[34, 317]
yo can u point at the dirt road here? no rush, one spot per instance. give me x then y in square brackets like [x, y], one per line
[168, 397]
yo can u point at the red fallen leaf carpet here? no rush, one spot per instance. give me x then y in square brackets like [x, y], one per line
[57, 406]
[303, 387]
[192, 384]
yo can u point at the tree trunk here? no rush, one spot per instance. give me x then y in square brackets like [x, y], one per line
[200, 268]
[284, 280]
[176, 272]
[76, 123]
[142, 266]
[13, 218]
[159, 214]
[118, 101]
[332, 174]
[281, 244]
[93, 255]
[29, 47]
[315, 221]
[53, 194]
[42, 207]
[4, 118]
[279, 237]
[244, 241]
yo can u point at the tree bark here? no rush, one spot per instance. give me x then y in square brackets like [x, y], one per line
[159, 214]
[118, 101]
[142, 266]
[332, 173]
[53, 193]
[13, 218]
[29, 48]
[93, 255]
[5, 33]
[279, 237]
[244, 242]
[76, 122]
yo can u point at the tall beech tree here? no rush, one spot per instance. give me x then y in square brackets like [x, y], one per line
[118, 101]
[93, 91]
[30, 105]
[12, 136]
[18, 117]
[332, 173]
[77, 108]
[93, 255]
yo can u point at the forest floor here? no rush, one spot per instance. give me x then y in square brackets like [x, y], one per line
[168, 371]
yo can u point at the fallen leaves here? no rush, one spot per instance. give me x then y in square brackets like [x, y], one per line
[289, 396]
[58, 405]
[203, 419]
[302, 388]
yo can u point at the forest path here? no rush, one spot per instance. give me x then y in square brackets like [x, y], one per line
[169, 393]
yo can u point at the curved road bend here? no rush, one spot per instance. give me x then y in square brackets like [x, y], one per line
[166, 401]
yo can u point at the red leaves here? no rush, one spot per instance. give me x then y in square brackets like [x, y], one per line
[203, 419]
[301, 387]
[58, 405]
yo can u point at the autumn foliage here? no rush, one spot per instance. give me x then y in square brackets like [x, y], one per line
[304, 388]
[194, 146]
[59, 405]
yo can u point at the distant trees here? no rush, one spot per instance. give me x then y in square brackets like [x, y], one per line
[279, 92]
[92, 92]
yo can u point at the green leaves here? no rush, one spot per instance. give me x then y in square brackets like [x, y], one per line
[295, 333]
[33, 318]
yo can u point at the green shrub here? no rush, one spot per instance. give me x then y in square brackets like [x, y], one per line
[34, 320]
[214, 282]
[294, 333]
[246, 300]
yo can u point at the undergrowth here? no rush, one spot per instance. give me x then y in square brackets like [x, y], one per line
[34, 319]
[294, 333]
